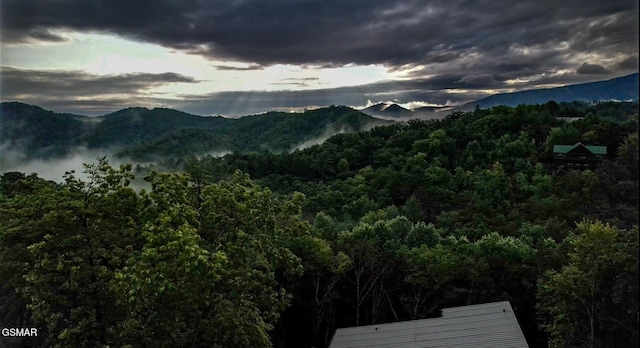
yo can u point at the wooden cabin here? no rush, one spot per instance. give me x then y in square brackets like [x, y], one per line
[578, 155]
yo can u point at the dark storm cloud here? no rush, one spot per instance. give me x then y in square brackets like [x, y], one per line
[57, 83]
[41, 34]
[86, 94]
[481, 79]
[78, 91]
[591, 69]
[335, 33]
[630, 63]
[438, 46]
[235, 68]
[82, 93]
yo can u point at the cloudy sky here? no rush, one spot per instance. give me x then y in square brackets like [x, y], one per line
[237, 57]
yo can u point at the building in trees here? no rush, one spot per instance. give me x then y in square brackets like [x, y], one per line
[484, 325]
[579, 155]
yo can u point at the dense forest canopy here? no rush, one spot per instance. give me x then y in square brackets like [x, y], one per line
[142, 134]
[264, 248]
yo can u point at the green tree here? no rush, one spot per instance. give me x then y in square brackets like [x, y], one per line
[19, 228]
[430, 271]
[76, 235]
[628, 154]
[324, 268]
[361, 245]
[211, 274]
[592, 301]
[566, 134]
[171, 290]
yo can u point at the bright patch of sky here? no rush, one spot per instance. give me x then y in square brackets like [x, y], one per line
[105, 54]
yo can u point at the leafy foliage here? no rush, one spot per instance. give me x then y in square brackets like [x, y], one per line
[587, 299]
[388, 224]
[160, 133]
[98, 265]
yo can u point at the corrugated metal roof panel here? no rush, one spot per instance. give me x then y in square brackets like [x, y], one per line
[484, 308]
[491, 325]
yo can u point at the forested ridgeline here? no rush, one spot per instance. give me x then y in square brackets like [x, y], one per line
[390, 224]
[142, 134]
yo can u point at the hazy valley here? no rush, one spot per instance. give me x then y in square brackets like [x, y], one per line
[36, 140]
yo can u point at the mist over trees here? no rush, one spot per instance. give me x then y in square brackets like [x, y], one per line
[264, 248]
[144, 135]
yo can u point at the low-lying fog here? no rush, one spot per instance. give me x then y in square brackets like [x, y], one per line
[12, 160]
[53, 169]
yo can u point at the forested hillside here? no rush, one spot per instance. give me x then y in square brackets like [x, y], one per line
[142, 134]
[259, 249]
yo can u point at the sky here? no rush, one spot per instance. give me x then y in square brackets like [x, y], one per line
[241, 57]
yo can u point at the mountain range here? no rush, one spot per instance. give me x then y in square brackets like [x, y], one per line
[388, 110]
[392, 111]
[623, 88]
[147, 134]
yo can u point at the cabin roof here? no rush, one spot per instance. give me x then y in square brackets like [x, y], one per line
[489, 325]
[594, 149]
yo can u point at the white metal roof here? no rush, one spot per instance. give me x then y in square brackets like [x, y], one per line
[489, 325]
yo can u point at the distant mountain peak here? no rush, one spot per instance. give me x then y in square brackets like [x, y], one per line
[377, 107]
[395, 108]
[387, 110]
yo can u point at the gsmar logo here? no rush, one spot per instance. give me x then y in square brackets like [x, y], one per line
[19, 332]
